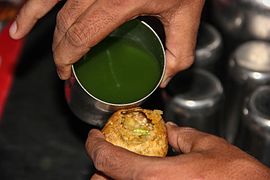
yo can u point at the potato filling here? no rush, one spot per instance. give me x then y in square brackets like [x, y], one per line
[137, 123]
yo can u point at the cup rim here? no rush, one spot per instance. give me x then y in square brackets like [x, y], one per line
[143, 98]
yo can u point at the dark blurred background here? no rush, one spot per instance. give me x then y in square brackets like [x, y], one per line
[40, 138]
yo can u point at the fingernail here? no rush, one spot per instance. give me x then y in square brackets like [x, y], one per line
[13, 29]
[171, 123]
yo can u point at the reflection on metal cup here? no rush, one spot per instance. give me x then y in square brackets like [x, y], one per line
[196, 100]
[243, 19]
[209, 47]
[95, 111]
[254, 132]
[249, 67]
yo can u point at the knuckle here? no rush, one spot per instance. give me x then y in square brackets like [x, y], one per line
[210, 141]
[186, 62]
[180, 62]
[77, 36]
[61, 22]
[58, 64]
[188, 130]
[57, 60]
[119, 3]
[122, 6]
[61, 65]
[201, 139]
[147, 173]
[100, 157]
[62, 60]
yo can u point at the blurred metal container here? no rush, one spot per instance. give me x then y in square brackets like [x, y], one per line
[209, 47]
[254, 132]
[249, 67]
[195, 99]
[243, 19]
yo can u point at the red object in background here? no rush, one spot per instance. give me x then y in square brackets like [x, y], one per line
[9, 53]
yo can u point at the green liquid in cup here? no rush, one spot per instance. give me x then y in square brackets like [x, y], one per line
[118, 71]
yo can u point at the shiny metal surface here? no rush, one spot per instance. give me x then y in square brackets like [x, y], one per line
[254, 133]
[95, 111]
[243, 19]
[196, 100]
[209, 47]
[249, 67]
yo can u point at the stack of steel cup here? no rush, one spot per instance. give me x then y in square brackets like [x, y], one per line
[209, 48]
[243, 19]
[249, 67]
[194, 98]
[254, 132]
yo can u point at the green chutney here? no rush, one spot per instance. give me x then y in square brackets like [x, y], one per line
[118, 71]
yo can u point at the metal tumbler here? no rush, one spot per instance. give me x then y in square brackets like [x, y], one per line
[194, 98]
[209, 47]
[95, 111]
[254, 132]
[243, 19]
[249, 67]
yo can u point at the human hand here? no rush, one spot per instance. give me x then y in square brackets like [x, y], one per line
[203, 156]
[82, 24]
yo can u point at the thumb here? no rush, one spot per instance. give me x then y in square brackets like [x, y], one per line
[99, 176]
[29, 14]
[186, 140]
[181, 33]
[114, 161]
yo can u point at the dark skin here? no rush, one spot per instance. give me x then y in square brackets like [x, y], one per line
[81, 24]
[203, 156]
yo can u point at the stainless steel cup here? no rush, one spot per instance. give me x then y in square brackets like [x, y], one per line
[249, 67]
[95, 111]
[254, 132]
[209, 47]
[194, 98]
[243, 19]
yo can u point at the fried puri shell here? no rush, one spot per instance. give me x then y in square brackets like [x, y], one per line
[139, 130]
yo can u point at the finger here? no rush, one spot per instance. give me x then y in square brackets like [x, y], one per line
[91, 27]
[29, 14]
[114, 161]
[181, 33]
[99, 176]
[67, 16]
[188, 140]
